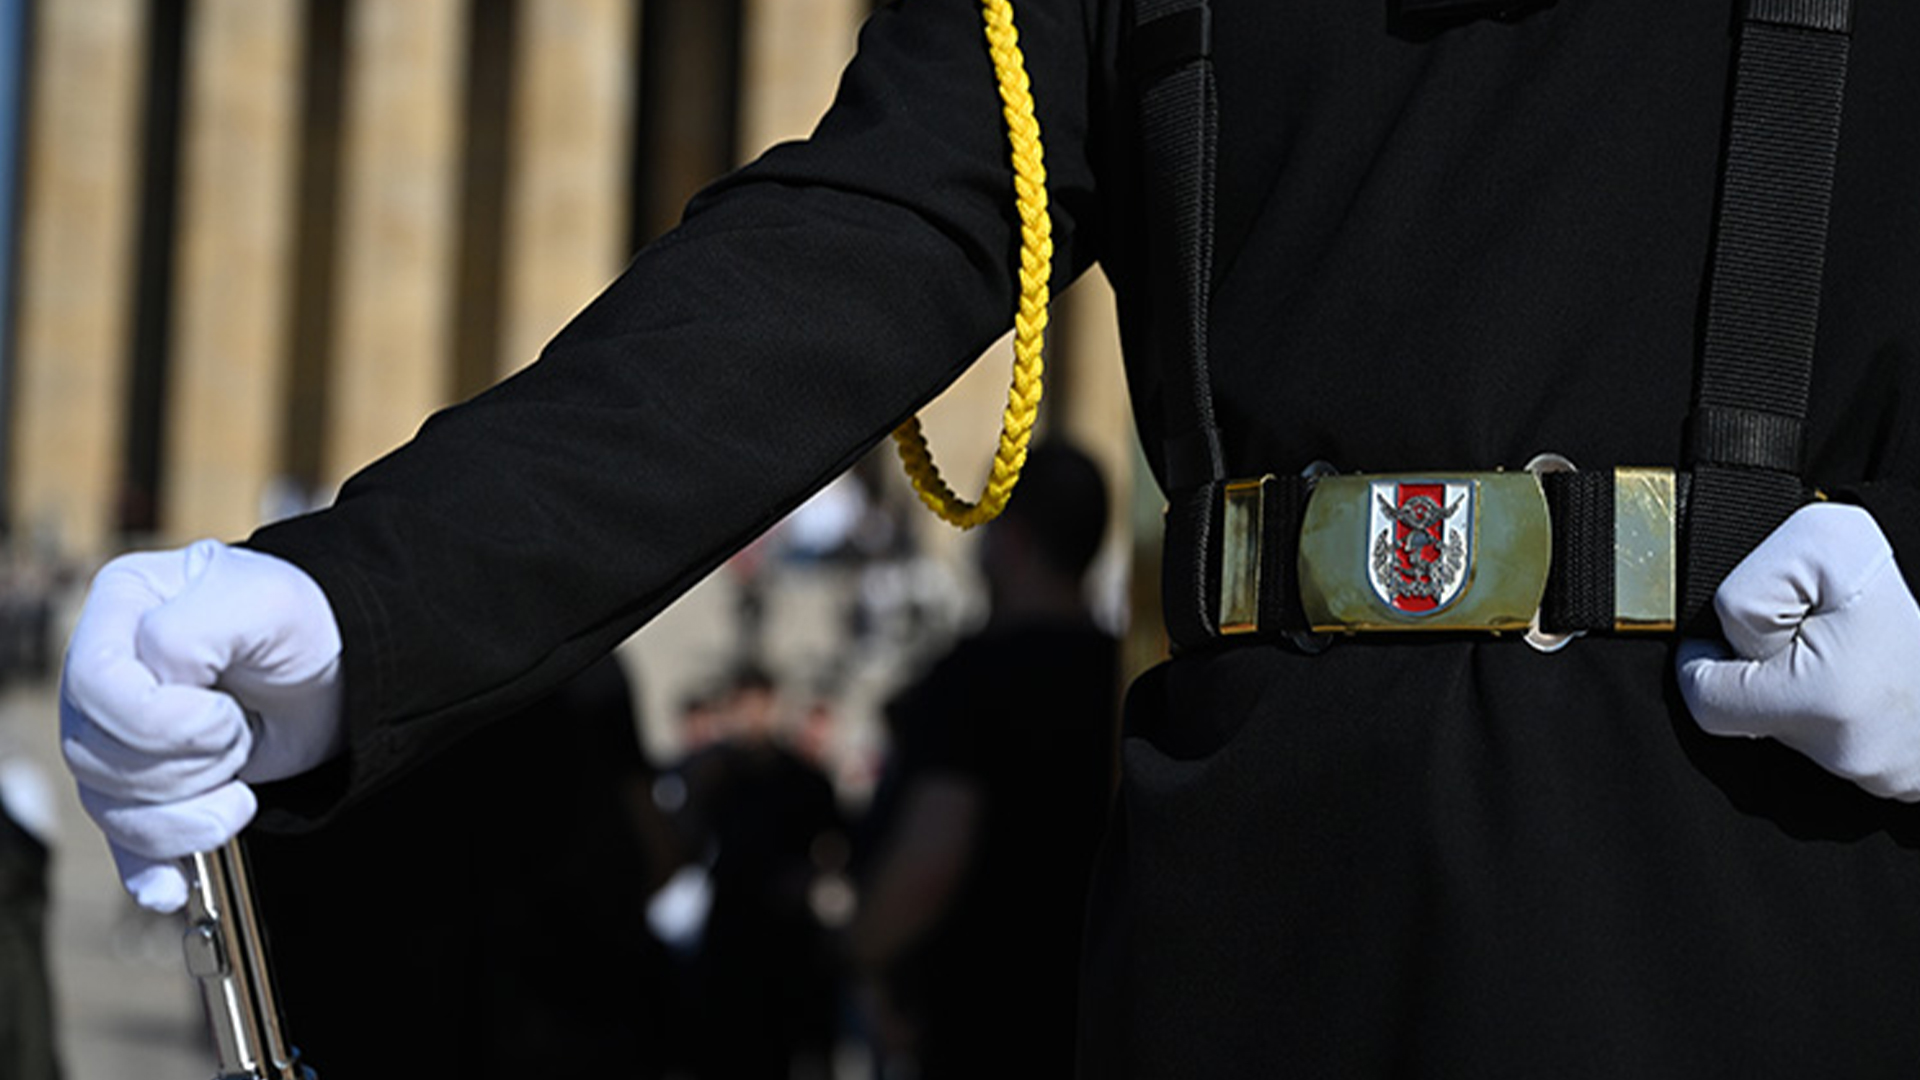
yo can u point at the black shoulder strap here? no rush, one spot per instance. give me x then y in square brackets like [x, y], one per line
[1170, 57]
[1172, 60]
[1746, 436]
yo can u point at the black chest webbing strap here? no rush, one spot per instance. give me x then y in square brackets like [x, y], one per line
[1746, 438]
[1170, 58]
[1746, 433]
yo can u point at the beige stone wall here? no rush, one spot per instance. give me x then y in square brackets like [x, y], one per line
[792, 55]
[396, 238]
[76, 243]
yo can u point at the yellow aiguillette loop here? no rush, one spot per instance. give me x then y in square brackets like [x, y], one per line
[1030, 323]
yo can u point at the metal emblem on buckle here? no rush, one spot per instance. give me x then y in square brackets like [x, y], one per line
[1424, 551]
[1422, 543]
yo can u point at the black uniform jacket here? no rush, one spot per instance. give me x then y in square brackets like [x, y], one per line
[1439, 246]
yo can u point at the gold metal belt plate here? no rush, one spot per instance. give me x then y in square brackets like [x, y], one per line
[1447, 551]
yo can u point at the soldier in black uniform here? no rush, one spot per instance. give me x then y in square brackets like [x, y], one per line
[1445, 236]
[989, 814]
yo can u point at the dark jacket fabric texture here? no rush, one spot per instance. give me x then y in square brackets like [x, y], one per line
[1438, 246]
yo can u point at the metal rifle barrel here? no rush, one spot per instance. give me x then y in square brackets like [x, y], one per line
[226, 952]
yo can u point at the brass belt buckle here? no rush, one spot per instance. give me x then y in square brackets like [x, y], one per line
[1438, 550]
[1447, 551]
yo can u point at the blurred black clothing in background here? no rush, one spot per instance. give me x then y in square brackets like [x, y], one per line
[487, 918]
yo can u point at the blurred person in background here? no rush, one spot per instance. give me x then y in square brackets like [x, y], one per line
[759, 989]
[992, 803]
[27, 1034]
[29, 582]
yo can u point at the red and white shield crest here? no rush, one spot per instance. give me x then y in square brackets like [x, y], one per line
[1422, 543]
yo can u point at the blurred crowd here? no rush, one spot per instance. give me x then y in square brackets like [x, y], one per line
[768, 898]
[545, 898]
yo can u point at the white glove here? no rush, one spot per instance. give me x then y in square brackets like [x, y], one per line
[191, 671]
[1825, 656]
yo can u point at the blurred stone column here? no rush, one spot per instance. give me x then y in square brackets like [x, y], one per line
[13, 85]
[75, 277]
[567, 181]
[792, 58]
[393, 352]
[1095, 411]
[234, 265]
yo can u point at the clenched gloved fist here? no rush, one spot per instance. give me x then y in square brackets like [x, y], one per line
[1825, 651]
[191, 672]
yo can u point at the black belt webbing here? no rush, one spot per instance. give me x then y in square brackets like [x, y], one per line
[1746, 433]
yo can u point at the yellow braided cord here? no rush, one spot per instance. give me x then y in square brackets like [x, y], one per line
[1030, 323]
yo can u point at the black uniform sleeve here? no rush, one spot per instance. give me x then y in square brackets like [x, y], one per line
[805, 306]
